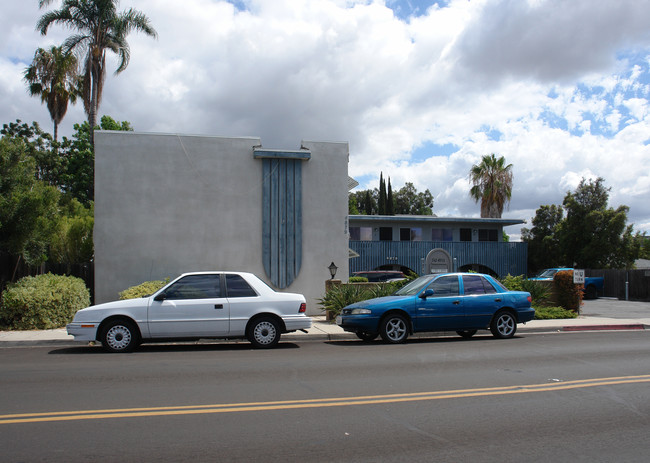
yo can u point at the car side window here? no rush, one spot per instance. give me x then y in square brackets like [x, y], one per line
[489, 289]
[195, 287]
[473, 284]
[445, 286]
[236, 286]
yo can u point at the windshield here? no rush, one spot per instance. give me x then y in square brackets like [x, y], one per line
[415, 286]
[548, 273]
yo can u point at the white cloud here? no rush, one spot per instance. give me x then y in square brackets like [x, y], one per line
[559, 88]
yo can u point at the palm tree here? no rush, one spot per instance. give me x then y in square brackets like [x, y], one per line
[492, 184]
[53, 76]
[99, 27]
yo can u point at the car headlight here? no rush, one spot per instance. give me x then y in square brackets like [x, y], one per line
[360, 311]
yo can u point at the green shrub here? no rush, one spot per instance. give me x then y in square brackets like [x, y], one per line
[568, 294]
[340, 296]
[539, 292]
[43, 302]
[552, 313]
[143, 289]
[513, 283]
[358, 280]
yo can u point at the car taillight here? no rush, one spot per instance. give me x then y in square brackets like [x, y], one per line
[303, 308]
[530, 299]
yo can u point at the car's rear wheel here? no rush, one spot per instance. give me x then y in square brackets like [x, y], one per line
[120, 336]
[367, 335]
[466, 333]
[504, 325]
[394, 329]
[264, 333]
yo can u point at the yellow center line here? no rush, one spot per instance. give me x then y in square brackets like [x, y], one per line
[314, 403]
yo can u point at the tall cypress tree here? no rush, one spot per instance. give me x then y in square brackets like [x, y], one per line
[382, 195]
[390, 204]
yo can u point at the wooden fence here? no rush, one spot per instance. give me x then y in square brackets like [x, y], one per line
[637, 283]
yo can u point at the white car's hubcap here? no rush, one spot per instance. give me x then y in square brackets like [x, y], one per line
[118, 337]
[264, 332]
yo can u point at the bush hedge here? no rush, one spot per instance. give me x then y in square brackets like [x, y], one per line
[568, 294]
[42, 302]
[143, 289]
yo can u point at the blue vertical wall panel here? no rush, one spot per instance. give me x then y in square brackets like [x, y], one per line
[282, 215]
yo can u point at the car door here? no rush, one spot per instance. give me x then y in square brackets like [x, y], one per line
[442, 310]
[193, 306]
[481, 300]
[243, 300]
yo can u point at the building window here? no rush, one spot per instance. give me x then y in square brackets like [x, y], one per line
[360, 233]
[488, 235]
[442, 234]
[385, 233]
[466, 234]
[410, 234]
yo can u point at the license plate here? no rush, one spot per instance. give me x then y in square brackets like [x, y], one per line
[338, 320]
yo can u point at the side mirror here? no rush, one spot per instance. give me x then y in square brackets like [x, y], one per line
[426, 293]
[160, 297]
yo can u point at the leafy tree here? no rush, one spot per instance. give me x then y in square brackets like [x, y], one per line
[72, 239]
[53, 77]
[491, 184]
[352, 205]
[592, 235]
[79, 176]
[409, 201]
[98, 27]
[368, 205]
[28, 206]
[543, 240]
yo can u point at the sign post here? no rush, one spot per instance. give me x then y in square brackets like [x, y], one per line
[579, 277]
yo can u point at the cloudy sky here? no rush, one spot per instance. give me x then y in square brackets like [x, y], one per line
[420, 89]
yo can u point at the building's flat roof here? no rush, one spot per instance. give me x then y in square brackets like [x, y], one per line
[434, 219]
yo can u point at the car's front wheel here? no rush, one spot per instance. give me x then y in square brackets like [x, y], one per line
[366, 335]
[264, 333]
[394, 329]
[504, 325]
[120, 336]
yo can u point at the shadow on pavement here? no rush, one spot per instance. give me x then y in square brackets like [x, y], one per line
[175, 347]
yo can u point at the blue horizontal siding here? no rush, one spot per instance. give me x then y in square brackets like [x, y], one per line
[502, 258]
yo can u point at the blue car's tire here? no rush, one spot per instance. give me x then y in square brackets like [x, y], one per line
[504, 325]
[366, 336]
[394, 329]
[466, 333]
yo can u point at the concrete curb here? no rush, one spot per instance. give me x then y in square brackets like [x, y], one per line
[321, 332]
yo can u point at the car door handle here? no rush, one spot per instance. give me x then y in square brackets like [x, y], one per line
[498, 299]
[218, 306]
[456, 302]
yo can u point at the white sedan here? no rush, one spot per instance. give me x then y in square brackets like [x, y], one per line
[195, 306]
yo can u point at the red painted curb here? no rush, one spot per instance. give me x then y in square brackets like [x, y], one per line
[603, 327]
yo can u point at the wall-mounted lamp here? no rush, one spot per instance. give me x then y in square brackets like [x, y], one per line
[332, 268]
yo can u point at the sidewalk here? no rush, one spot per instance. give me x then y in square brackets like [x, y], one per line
[325, 331]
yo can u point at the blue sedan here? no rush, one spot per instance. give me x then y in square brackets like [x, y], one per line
[461, 302]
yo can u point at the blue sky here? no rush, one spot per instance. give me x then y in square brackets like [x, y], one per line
[420, 89]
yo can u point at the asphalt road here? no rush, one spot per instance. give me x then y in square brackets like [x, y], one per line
[537, 397]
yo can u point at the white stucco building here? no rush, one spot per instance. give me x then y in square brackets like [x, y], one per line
[166, 204]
